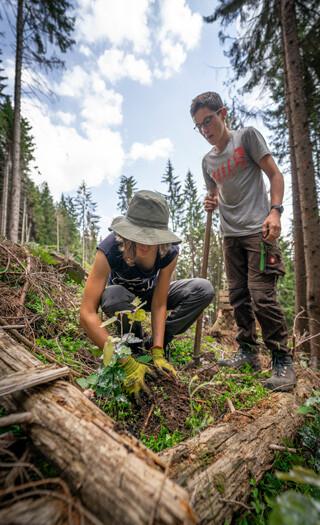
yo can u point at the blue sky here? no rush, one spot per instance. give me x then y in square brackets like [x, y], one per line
[122, 104]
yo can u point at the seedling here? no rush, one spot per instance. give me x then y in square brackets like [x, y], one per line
[108, 381]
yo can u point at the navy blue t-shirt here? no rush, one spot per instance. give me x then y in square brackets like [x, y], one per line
[133, 278]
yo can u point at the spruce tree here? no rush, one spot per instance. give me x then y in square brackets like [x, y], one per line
[192, 225]
[46, 232]
[87, 221]
[127, 187]
[67, 231]
[173, 196]
[41, 26]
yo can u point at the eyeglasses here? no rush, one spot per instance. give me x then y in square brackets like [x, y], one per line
[206, 122]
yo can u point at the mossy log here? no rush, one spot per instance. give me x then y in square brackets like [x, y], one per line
[117, 479]
[217, 465]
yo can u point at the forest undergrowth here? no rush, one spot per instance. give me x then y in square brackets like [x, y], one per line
[38, 296]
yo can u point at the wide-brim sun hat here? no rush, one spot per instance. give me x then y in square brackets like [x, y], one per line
[146, 220]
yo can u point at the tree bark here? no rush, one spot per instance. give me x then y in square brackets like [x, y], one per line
[5, 196]
[14, 214]
[305, 172]
[24, 221]
[216, 466]
[299, 255]
[116, 477]
[25, 379]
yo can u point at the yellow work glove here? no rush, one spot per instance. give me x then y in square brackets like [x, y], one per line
[108, 350]
[160, 361]
[134, 376]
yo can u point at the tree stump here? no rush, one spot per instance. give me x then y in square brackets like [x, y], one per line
[225, 324]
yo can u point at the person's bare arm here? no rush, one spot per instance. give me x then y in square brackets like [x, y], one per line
[271, 227]
[89, 318]
[159, 304]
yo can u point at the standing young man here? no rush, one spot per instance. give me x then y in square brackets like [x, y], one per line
[232, 170]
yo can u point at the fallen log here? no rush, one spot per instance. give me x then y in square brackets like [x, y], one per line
[217, 465]
[69, 266]
[30, 378]
[118, 479]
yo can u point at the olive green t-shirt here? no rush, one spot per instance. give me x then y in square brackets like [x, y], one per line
[243, 201]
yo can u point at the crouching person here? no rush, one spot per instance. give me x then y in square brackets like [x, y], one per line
[137, 260]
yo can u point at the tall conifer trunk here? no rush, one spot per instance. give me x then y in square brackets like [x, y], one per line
[14, 210]
[305, 171]
[299, 256]
[5, 195]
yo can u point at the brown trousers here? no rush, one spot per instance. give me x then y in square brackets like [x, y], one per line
[253, 267]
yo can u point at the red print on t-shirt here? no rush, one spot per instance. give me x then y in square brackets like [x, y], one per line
[228, 169]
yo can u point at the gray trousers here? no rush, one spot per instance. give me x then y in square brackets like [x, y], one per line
[187, 298]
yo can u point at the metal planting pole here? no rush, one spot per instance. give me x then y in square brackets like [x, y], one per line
[197, 339]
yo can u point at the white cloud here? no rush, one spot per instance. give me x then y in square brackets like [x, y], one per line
[114, 64]
[118, 21]
[159, 148]
[174, 56]
[66, 118]
[98, 105]
[73, 82]
[85, 50]
[178, 21]
[179, 32]
[102, 109]
[71, 157]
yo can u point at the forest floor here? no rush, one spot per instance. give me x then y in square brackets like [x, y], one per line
[38, 296]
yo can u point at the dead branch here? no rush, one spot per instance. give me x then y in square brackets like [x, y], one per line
[15, 419]
[26, 283]
[28, 379]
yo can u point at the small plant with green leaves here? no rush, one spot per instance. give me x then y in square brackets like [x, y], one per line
[164, 439]
[199, 418]
[243, 390]
[309, 434]
[294, 507]
[181, 351]
[290, 493]
[108, 381]
[42, 252]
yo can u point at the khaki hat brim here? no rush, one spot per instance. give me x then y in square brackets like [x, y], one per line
[144, 235]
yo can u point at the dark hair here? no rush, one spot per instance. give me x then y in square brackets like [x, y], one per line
[209, 99]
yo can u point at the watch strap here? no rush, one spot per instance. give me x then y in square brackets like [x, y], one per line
[278, 207]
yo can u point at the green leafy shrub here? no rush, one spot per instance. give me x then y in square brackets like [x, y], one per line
[292, 507]
[244, 391]
[164, 439]
[181, 351]
[290, 493]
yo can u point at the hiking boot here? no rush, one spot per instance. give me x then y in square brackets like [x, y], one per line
[283, 377]
[242, 357]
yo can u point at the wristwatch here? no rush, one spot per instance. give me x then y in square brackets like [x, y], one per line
[278, 207]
